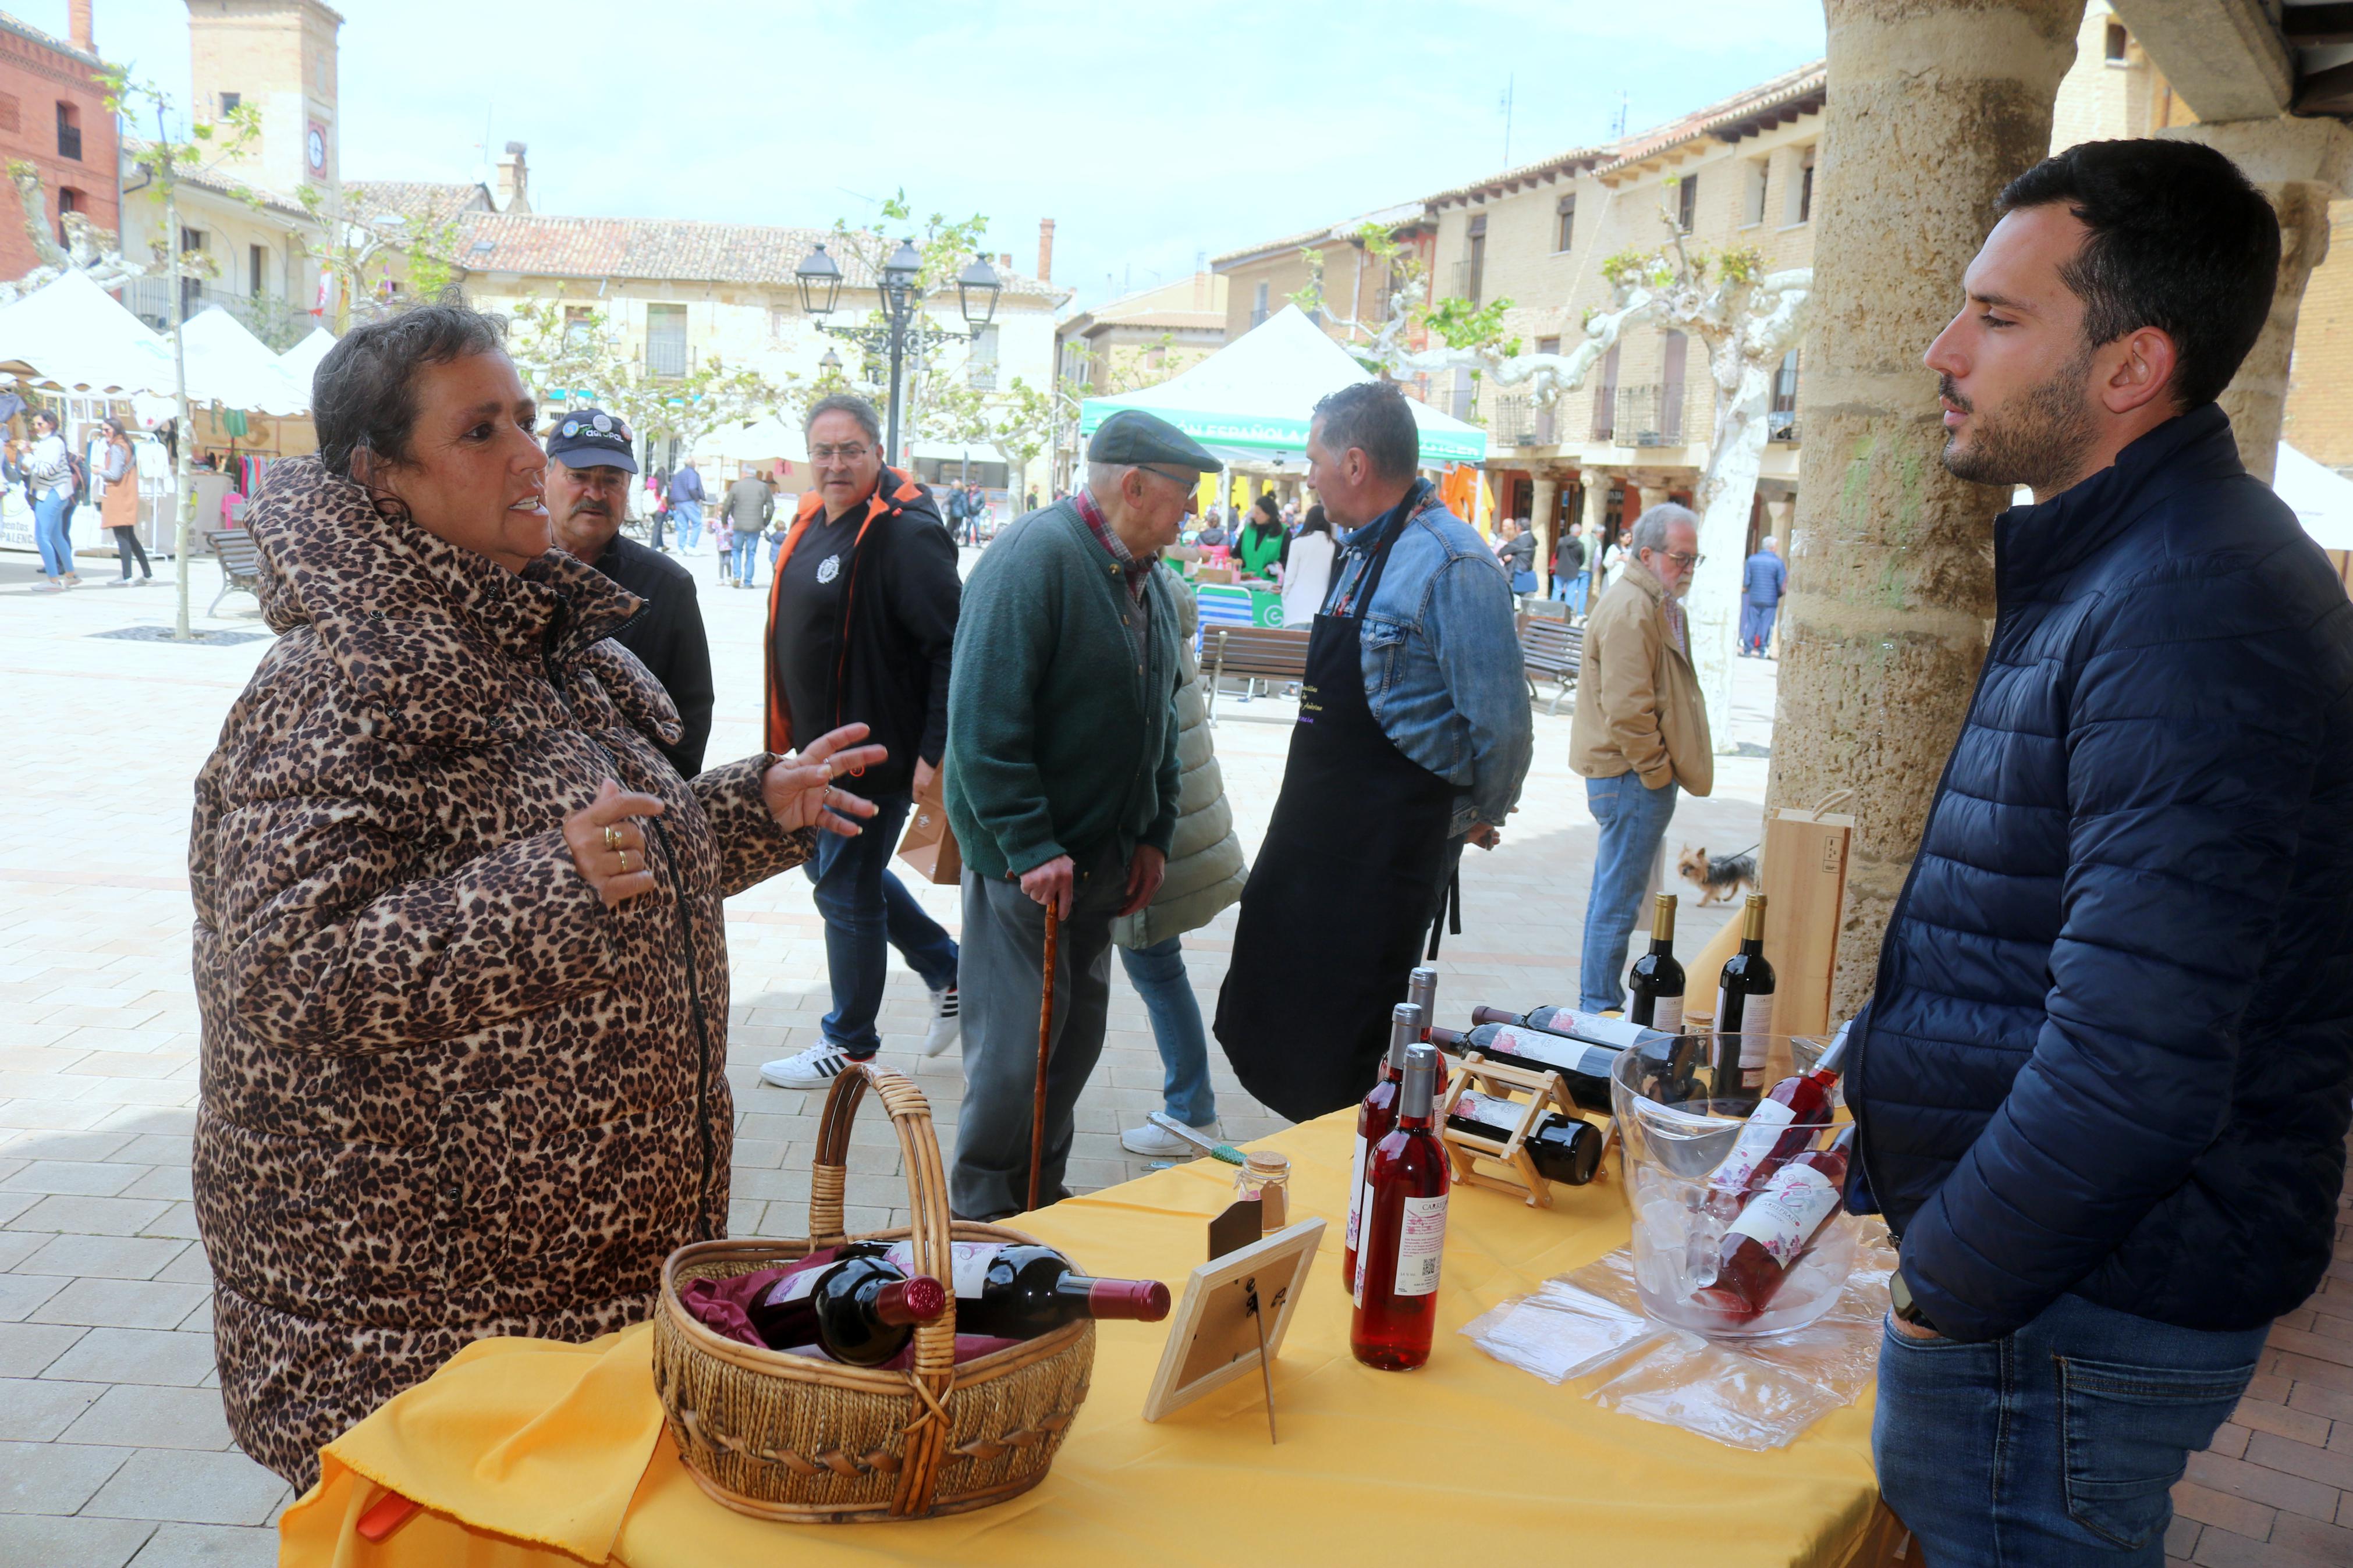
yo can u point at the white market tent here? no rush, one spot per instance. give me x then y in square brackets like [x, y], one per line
[2322, 498]
[301, 361]
[230, 366]
[1252, 400]
[71, 335]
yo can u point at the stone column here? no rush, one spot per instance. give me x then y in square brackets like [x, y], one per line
[1597, 482]
[1542, 517]
[2301, 164]
[1938, 104]
[1778, 516]
[1651, 494]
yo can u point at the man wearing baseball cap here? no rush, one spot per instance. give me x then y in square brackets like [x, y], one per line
[1063, 783]
[590, 465]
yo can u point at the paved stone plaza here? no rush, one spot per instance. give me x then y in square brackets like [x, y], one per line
[112, 1447]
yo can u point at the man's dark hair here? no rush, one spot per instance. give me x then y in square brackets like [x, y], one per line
[2181, 241]
[1371, 416]
[847, 402]
[363, 394]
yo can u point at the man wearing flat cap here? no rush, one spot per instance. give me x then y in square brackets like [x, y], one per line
[1061, 785]
[590, 464]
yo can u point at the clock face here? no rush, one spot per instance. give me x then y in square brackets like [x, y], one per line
[316, 146]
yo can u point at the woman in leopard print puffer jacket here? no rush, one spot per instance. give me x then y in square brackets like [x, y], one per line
[448, 1090]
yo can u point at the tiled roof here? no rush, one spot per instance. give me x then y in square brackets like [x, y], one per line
[230, 185]
[1393, 218]
[1785, 97]
[430, 200]
[1574, 162]
[66, 47]
[675, 249]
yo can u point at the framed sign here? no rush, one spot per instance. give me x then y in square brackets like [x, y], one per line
[1213, 1336]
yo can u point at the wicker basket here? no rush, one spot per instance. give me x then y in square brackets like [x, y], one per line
[789, 1438]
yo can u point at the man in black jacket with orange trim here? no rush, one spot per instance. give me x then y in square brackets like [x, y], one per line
[861, 623]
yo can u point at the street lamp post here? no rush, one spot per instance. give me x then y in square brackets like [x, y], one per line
[903, 297]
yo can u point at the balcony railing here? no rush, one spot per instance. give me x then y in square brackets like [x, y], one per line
[1517, 421]
[665, 356]
[1781, 425]
[1641, 416]
[272, 320]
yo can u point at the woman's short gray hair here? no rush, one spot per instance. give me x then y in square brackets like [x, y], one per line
[1651, 528]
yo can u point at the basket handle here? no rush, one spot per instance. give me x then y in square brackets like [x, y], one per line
[927, 1194]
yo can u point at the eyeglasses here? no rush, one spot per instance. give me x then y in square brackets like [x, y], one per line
[1184, 481]
[1680, 559]
[844, 454]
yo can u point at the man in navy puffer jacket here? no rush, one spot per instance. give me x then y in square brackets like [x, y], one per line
[2103, 1084]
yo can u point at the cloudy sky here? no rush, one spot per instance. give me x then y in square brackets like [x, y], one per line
[1153, 134]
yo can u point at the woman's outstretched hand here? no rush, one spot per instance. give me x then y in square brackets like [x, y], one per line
[607, 845]
[800, 788]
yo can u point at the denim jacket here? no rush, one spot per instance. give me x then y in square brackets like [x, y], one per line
[1442, 655]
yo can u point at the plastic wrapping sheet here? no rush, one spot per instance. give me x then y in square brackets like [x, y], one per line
[1558, 1332]
[1736, 1398]
[1754, 1393]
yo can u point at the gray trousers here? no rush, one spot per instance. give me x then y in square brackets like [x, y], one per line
[998, 975]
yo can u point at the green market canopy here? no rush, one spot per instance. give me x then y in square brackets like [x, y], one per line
[1250, 401]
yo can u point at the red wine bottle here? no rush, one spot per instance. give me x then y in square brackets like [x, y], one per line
[1566, 1022]
[1784, 1121]
[1020, 1292]
[1776, 1226]
[1404, 1231]
[1583, 1066]
[1375, 1117]
[1422, 992]
[1566, 1149]
[1744, 1010]
[1655, 989]
[861, 1310]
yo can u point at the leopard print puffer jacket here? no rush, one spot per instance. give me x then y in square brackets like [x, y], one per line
[446, 1093]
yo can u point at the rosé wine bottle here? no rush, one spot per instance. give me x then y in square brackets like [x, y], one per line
[1405, 1230]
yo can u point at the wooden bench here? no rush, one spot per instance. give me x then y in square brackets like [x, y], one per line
[240, 564]
[1550, 651]
[1253, 653]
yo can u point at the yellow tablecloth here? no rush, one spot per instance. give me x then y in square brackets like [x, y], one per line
[531, 1442]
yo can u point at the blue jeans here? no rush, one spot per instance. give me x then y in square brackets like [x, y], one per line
[1756, 625]
[868, 911]
[747, 557]
[51, 510]
[1157, 973]
[1633, 819]
[1570, 591]
[687, 515]
[2056, 1445]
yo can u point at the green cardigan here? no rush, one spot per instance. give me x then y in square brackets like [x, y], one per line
[1060, 739]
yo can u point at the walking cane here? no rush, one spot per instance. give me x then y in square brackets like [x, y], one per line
[1045, 1045]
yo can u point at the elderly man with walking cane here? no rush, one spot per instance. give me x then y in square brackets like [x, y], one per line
[1062, 788]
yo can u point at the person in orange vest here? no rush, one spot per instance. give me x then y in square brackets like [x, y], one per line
[861, 625]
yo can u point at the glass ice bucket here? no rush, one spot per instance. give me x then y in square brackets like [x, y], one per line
[1673, 1130]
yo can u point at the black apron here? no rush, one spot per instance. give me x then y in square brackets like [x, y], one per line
[1336, 908]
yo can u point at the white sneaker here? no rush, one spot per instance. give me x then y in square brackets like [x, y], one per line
[812, 1068]
[1157, 1142]
[945, 1024]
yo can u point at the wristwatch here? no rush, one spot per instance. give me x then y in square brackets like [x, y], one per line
[1900, 1302]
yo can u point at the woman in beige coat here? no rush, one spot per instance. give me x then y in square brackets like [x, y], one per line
[117, 508]
[459, 947]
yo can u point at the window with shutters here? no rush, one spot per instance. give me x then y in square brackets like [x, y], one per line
[1752, 192]
[1564, 224]
[1258, 305]
[666, 340]
[1686, 200]
[1675, 355]
[1798, 203]
[69, 132]
[257, 261]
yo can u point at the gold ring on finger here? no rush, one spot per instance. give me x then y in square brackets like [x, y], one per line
[624, 859]
[612, 836]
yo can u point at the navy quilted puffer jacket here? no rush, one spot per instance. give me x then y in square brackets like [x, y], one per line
[2110, 1051]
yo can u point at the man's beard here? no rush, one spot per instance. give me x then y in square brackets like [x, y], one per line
[2037, 440]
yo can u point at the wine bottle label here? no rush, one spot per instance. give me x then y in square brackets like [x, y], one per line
[1489, 1110]
[1750, 1015]
[1356, 1194]
[1422, 1238]
[1667, 1014]
[1783, 1217]
[1756, 1141]
[1553, 1051]
[794, 1287]
[968, 1263]
[1619, 1033]
[1363, 1234]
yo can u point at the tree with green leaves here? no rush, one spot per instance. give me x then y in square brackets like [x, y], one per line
[209, 146]
[362, 247]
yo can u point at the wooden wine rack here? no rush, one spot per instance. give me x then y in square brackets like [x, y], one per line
[1466, 1150]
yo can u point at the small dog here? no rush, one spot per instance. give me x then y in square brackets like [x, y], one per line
[1719, 882]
